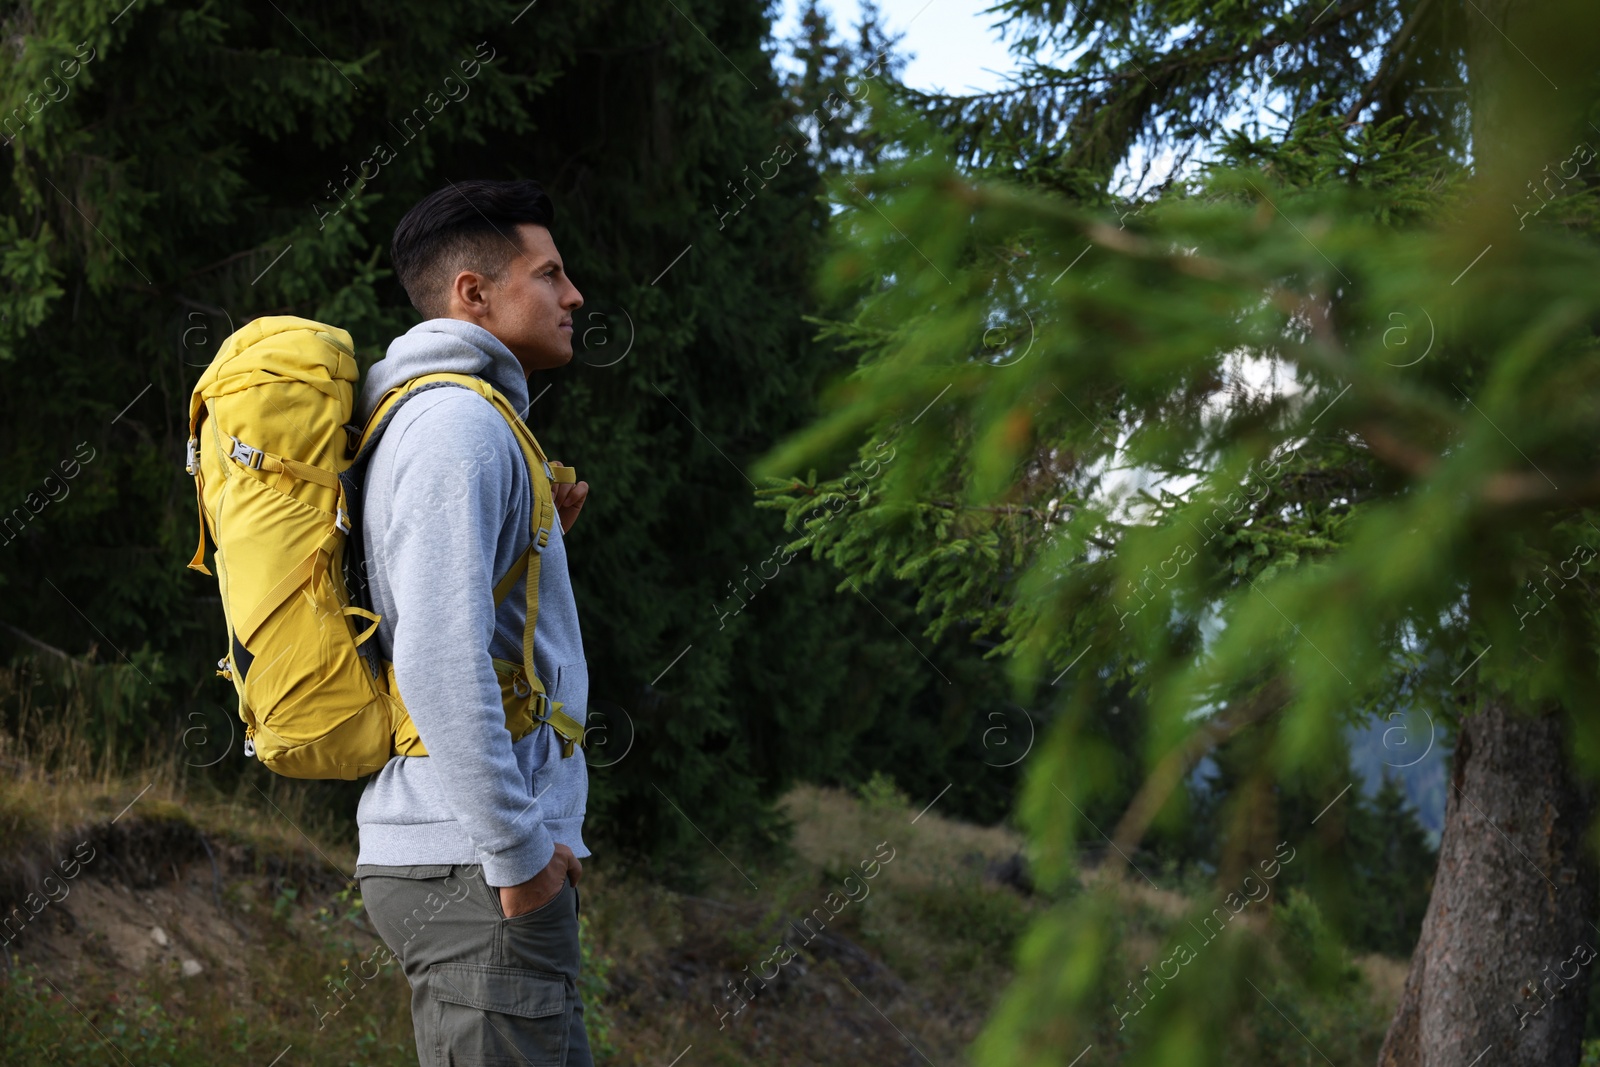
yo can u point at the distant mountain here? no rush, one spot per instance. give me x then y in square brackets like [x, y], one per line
[1413, 749]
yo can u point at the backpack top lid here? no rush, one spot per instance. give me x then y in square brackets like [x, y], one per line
[282, 389]
[278, 348]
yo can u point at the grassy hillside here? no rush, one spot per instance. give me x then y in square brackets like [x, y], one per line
[181, 929]
[189, 925]
[156, 918]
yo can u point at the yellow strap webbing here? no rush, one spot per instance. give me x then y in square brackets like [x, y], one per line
[535, 564]
[518, 703]
[198, 563]
[364, 635]
[518, 569]
[304, 471]
[566, 727]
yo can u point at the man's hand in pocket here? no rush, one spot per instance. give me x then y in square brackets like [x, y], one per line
[542, 888]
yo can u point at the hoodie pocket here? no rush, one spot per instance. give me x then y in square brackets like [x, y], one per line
[572, 689]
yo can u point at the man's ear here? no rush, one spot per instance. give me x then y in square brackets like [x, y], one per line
[468, 293]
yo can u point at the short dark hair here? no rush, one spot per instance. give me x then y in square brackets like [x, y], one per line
[468, 225]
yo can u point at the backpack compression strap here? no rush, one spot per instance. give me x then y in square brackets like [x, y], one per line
[524, 682]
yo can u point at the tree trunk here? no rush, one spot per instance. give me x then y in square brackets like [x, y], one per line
[1500, 975]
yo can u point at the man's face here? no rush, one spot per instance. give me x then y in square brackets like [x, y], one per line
[530, 308]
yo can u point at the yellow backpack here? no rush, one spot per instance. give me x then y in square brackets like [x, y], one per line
[270, 445]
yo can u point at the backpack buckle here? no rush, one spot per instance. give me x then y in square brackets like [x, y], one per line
[341, 520]
[520, 686]
[191, 459]
[249, 457]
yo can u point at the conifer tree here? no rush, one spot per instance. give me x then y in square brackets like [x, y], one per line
[174, 169]
[1275, 441]
[1396, 871]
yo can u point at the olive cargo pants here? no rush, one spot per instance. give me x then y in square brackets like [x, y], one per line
[486, 990]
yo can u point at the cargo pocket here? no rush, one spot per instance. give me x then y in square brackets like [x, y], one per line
[488, 1016]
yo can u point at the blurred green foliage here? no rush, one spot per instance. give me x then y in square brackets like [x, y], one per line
[1263, 445]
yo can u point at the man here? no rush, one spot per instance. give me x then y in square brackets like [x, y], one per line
[469, 859]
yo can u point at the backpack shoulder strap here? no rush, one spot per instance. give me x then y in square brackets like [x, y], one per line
[502, 588]
[391, 401]
[522, 683]
[543, 520]
[543, 512]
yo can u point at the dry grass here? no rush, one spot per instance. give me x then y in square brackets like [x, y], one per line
[834, 829]
[39, 809]
[907, 970]
[248, 886]
[1164, 902]
[249, 890]
[1386, 976]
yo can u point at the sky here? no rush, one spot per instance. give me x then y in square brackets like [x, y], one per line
[957, 50]
[954, 46]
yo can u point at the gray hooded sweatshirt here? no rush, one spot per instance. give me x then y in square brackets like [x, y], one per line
[445, 509]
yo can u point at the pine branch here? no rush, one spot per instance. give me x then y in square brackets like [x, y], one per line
[1398, 50]
[1219, 57]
